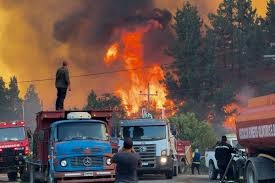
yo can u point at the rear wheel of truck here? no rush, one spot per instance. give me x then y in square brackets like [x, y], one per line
[250, 174]
[169, 175]
[212, 172]
[182, 167]
[12, 176]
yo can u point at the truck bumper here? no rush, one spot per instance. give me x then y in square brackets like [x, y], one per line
[90, 176]
[158, 167]
[12, 163]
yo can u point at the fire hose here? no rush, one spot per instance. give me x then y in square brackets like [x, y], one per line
[267, 156]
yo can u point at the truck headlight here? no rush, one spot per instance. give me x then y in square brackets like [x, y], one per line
[108, 161]
[163, 160]
[164, 153]
[63, 163]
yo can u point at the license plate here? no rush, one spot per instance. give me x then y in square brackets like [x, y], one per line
[144, 163]
[88, 174]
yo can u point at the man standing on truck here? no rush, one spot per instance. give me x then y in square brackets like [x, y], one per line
[196, 161]
[62, 84]
[127, 161]
[223, 155]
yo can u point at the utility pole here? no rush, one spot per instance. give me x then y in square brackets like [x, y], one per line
[23, 110]
[148, 94]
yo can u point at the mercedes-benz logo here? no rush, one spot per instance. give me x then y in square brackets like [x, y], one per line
[87, 161]
[143, 149]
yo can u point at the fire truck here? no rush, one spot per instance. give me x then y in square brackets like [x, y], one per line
[14, 148]
[256, 132]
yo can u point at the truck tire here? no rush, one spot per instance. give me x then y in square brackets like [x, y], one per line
[182, 167]
[212, 172]
[12, 176]
[169, 175]
[250, 174]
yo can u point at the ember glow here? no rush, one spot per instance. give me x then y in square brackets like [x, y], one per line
[231, 110]
[130, 50]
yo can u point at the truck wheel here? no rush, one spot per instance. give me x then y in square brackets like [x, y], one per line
[182, 167]
[212, 172]
[169, 175]
[250, 175]
[176, 171]
[12, 176]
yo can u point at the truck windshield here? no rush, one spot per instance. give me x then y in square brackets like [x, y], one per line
[12, 134]
[144, 132]
[81, 131]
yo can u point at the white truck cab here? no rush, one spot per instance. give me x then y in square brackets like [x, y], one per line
[155, 143]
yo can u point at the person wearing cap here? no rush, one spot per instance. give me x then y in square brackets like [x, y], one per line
[196, 161]
[127, 162]
[62, 84]
[223, 155]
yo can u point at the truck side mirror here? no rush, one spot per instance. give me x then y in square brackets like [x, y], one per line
[41, 135]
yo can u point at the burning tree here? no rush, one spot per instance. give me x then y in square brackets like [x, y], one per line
[130, 51]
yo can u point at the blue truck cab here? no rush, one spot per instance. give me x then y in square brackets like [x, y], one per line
[78, 148]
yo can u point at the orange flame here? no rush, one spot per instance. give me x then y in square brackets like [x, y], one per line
[112, 54]
[131, 51]
[231, 110]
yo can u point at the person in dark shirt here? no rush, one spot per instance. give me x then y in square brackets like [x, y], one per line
[127, 162]
[223, 155]
[62, 84]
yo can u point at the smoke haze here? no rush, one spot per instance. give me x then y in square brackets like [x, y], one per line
[36, 35]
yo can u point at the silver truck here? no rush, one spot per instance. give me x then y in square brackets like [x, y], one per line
[154, 140]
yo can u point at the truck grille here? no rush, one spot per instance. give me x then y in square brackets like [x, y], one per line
[147, 153]
[86, 161]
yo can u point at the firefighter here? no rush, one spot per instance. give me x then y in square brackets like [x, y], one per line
[223, 155]
[196, 161]
[62, 84]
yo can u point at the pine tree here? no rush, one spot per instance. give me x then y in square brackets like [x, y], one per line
[221, 31]
[245, 35]
[186, 51]
[14, 101]
[4, 111]
[192, 78]
[32, 104]
[269, 25]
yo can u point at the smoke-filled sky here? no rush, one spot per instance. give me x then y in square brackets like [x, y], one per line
[35, 35]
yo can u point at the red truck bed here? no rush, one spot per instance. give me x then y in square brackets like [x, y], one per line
[256, 125]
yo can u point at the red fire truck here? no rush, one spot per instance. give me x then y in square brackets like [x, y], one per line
[14, 147]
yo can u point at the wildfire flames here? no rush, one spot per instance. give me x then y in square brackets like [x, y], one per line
[231, 110]
[130, 51]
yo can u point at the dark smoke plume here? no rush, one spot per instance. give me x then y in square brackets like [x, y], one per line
[95, 23]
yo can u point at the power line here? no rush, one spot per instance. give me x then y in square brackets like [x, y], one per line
[87, 75]
[177, 64]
